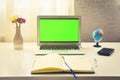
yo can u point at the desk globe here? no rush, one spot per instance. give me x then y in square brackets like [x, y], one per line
[97, 36]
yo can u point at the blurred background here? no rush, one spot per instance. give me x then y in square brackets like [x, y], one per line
[103, 14]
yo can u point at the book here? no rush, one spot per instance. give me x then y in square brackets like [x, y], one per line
[53, 63]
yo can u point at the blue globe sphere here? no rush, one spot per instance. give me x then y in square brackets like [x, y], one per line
[97, 35]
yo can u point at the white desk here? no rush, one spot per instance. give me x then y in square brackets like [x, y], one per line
[17, 64]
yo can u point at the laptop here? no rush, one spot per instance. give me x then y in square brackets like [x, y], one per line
[58, 32]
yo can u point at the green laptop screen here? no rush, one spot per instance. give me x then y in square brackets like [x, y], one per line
[59, 30]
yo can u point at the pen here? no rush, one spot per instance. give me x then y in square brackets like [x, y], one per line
[95, 60]
[72, 72]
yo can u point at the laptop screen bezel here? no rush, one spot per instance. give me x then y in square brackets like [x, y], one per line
[58, 43]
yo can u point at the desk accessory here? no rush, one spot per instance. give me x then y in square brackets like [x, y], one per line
[72, 72]
[53, 63]
[18, 39]
[97, 36]
[106, 51]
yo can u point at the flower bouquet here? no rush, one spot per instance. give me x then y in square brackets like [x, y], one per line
[18, 40]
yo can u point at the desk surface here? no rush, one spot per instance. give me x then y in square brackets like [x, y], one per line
[16, 63]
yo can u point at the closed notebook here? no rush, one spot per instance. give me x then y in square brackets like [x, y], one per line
[55, 64]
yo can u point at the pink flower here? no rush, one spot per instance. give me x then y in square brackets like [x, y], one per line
[20, 20]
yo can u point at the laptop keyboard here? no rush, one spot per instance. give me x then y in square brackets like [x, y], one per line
[59, 48]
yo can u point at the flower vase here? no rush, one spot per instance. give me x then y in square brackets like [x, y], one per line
[18, 40]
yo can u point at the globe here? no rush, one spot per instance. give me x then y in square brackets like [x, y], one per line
[97, 36]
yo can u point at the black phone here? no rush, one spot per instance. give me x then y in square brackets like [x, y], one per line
[106, 51]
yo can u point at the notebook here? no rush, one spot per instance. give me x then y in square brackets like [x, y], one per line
[53, 63]
[58, 32]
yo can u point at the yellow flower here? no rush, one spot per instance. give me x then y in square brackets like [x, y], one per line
[13, 19]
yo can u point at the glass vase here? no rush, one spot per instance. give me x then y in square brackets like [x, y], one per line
[18, 40]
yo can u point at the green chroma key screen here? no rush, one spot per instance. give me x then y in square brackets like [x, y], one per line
[59, 29]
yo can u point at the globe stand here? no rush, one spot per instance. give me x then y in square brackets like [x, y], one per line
[97, 45]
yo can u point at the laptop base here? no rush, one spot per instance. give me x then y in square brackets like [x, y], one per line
[59, 48]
